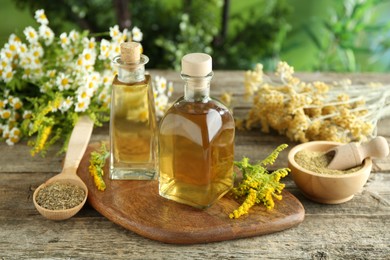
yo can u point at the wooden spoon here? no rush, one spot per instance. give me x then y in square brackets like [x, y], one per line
[78, 142]
[352, 154]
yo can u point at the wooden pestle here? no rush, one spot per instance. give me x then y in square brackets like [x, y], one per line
[352, 154]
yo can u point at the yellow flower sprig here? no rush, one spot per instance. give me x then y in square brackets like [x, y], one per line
[258, 186]
[97, 162]
[43, 135]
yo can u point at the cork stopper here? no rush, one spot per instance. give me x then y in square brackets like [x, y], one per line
[196, 64]
[130, 52]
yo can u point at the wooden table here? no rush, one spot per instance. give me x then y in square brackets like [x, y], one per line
[358, 229]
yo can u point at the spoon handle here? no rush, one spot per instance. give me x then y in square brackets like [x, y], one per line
[78, 142]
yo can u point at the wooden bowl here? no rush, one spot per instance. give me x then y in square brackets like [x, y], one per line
[322, 187]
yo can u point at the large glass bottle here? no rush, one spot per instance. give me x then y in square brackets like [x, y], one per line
[133, 127]
[196, 140]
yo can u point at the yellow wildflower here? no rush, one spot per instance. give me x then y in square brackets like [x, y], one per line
[258, 185]
[96, 166]
[244, 208]
[43, 135]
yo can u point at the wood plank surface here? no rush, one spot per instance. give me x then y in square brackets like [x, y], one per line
[358, 229]
[137, 206]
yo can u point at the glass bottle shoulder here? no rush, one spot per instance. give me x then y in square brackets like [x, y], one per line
[202, 107]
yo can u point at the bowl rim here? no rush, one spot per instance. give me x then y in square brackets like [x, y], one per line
[367, 163]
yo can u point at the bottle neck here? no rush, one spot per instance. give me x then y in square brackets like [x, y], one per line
[197, 88]
[131, 72]
[131, 76]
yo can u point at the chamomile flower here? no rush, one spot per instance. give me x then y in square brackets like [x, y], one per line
[82, 105]
[5, 113]
[89, 43]
[94, 76]
[161, 84]
[16, 103]
[106, 78]
[85, 61]
[12, 47]
[137, 34]
[36, 50]
[170, 89]
[22, 48]
[15, 131]
[12, 140]
[80, 64]
[162, 90]
[89, 56]
[105, 50]
[41, 17]
[74, 36]
[31, 34]
[3, 63]
[161, 103]
[124, 36]
[10, 99]
[103, 95]
[37, 64]
[63, 81]
[115, 49]
[7, 74]
[83, 93]
[92, 86]
[64, 40]
[5, 131]
[51, 73]
[3, 103]
[6, 55]
[13, 37]
[26, 60]
[46, 34]
[66, 104]
[115, 33]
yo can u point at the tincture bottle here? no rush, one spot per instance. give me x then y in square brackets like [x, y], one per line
[196, 140]
[133, 125]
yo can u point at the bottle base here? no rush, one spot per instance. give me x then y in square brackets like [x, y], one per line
[132, 174]
[200, 198]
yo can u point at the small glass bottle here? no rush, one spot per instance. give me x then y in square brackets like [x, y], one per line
[133, 125]
[196, 140]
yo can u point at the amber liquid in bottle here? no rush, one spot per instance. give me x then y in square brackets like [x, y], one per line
[133, 131]
[196, 152]
[133, 127]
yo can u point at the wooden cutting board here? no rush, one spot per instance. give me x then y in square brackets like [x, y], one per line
[137, 206]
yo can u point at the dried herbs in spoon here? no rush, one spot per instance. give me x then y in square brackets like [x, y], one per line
[60, 196]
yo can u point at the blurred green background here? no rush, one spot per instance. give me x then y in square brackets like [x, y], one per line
[321, 35]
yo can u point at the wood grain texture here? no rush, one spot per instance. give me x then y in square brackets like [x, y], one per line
[358, 229]
[137, 206]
